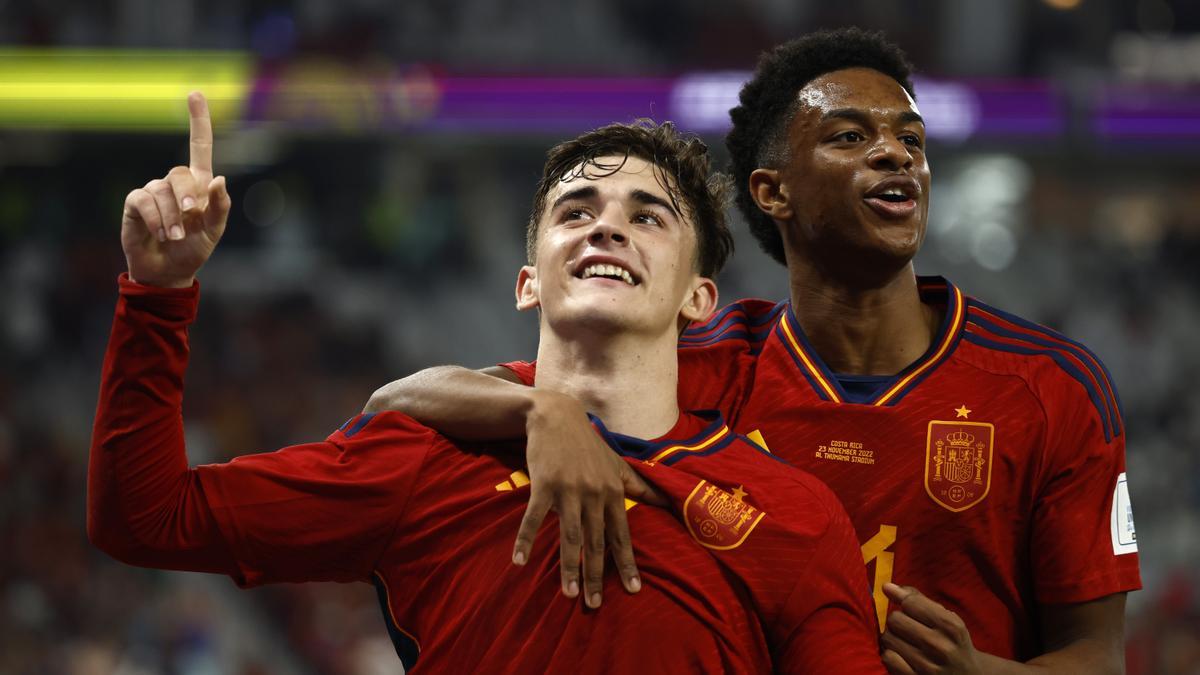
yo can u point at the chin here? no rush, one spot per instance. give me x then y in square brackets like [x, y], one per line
[871, 263]
[902, 249]
[598, 320]
[900, 240]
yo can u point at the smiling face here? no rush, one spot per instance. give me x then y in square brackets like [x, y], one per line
[613, 254]
[854, 189]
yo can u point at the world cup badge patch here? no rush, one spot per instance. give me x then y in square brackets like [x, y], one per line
[958, 463]
[718, 519]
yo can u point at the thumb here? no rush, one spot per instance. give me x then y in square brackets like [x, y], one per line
[217, 213]
[637, 489]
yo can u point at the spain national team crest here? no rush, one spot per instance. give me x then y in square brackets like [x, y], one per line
[958, 463]
[719, 519]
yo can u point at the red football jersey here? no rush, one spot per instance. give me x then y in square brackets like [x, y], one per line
[989, 474]
[754, 569]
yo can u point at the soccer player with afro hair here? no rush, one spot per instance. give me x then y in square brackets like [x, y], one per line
[769, 103]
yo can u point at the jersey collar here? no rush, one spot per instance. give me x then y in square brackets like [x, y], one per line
[934, 291]
[713, 435]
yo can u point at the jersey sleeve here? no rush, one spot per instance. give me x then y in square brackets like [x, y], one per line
[319, 511]
[144, 506]
[829, 623]
[717, 358]
[1084, 546]
[524, 370]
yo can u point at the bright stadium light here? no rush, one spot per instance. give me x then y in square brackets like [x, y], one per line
[700, 102]
[117, 89]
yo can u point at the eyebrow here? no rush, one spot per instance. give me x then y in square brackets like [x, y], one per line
[585, 192]
[590, 192]
[653, 199]
[856, 115]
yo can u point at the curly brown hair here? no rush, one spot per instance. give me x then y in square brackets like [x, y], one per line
[683, 168]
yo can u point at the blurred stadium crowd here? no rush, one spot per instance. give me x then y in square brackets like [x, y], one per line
[354, 259]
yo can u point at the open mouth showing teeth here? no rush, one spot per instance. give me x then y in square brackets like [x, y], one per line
[894, 195]
[607, 272]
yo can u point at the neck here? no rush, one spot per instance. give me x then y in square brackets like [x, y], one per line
[862, 329]
[629, 381]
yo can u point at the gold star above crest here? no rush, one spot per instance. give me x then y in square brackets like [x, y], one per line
[738, 493]
[963, 412]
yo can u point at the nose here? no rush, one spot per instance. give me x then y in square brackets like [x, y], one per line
[889, 154]
[610, 226]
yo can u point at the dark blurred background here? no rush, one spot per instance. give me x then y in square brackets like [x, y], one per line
[381, 158]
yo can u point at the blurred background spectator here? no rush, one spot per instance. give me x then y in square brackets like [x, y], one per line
[381, 157]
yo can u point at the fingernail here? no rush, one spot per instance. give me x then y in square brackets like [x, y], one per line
[635, 584]
[188, 203]
[519, 558]
[162, 234]
[176, 232]
[594, 600]
[572, 588]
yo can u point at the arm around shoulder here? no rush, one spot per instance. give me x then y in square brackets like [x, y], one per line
[486, 404]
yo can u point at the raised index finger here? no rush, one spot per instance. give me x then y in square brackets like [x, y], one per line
[201, 134]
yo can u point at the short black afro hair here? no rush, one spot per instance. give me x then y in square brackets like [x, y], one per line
[768, 103]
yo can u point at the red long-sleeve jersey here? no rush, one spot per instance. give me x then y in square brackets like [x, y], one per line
[753, 569]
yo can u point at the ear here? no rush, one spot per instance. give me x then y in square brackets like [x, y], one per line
[527, 288]
[770, 194]
[701, 301]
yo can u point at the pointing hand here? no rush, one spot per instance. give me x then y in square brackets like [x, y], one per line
[172, 224]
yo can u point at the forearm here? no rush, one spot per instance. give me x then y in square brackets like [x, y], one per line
[468, 404]
[1086, 637]
[145, 507]
[1086, 657]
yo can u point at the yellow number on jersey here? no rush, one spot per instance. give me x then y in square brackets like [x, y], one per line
[875, 549]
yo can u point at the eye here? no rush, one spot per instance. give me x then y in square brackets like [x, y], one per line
[574, 214]
[850, 136]
[647, 218]
[912, 140]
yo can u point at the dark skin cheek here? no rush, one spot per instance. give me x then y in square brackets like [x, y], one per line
[816, 198]
[842, 206]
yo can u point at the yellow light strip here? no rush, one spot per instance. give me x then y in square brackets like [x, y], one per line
[105, 89]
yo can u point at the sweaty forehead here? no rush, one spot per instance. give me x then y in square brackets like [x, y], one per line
[615, 171]
[862, 89]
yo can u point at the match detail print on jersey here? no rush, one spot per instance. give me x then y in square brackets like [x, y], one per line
[718, 519]
[1124, 537]
[851, 452]
[958, 463]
